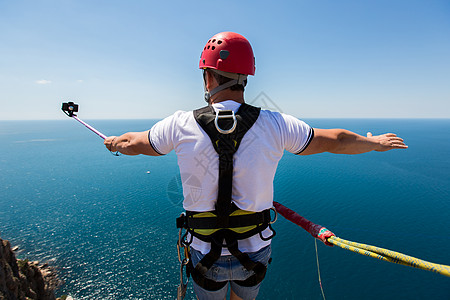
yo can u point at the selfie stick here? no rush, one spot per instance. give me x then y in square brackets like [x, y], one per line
[69, 108]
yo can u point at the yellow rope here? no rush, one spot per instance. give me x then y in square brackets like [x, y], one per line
[390, 256]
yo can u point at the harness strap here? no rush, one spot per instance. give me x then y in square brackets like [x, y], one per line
[234, 221]
[244, 259]
[226, 143]
[198, 272]
[209, 259]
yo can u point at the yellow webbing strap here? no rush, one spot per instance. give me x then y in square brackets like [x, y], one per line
[390, 256]
[237, 230]
[238, 212]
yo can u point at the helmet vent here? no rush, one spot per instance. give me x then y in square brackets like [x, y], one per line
[214, 40]
[213, 47]
[224, 54]
[219, 42]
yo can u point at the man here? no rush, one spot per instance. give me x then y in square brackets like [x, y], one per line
[232, 150]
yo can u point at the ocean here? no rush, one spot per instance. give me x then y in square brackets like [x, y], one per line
[107, 224]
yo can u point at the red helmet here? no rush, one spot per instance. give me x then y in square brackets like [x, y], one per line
[228, 52]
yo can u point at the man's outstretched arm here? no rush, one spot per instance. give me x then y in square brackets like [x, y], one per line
[341, 141]
[131, 143]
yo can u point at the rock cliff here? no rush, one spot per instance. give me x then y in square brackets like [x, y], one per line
[22, 279]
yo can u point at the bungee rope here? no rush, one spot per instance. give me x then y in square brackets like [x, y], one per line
[363, 249]
[390, 256]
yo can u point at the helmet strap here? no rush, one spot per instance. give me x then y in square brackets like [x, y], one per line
[237, 79]
[207, 94]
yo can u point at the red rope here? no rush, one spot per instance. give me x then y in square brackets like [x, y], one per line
[309, 226]
[295, 218]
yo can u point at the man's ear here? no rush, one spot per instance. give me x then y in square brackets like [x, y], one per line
[211, 81]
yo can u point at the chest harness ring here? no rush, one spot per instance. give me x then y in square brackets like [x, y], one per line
[227, 224]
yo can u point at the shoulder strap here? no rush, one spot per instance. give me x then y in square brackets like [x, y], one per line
[226, 145]
[226, 140]
[246, 116]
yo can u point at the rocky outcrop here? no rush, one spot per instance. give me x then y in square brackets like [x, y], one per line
[22, 279]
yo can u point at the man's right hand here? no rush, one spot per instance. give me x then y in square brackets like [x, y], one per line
[131, 143]
[109, 143]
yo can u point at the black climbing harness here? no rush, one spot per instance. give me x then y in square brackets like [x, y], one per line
[227, 224]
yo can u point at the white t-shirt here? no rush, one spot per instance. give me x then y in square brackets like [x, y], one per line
[254, 166]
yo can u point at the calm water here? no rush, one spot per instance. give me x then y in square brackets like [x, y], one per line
[107, 223]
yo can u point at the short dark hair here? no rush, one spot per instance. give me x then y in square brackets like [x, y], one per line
[222, 80]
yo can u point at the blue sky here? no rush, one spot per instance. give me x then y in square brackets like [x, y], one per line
[139, 59]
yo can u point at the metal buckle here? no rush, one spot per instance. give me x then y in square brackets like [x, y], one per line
[216, 122]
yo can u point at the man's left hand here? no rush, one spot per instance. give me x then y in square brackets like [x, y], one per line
[387, 141]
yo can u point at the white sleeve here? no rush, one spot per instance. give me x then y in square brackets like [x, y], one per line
[297, 134]
[162, 135]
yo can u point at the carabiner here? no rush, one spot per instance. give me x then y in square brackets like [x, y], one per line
[276, 215]
[179, 246]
